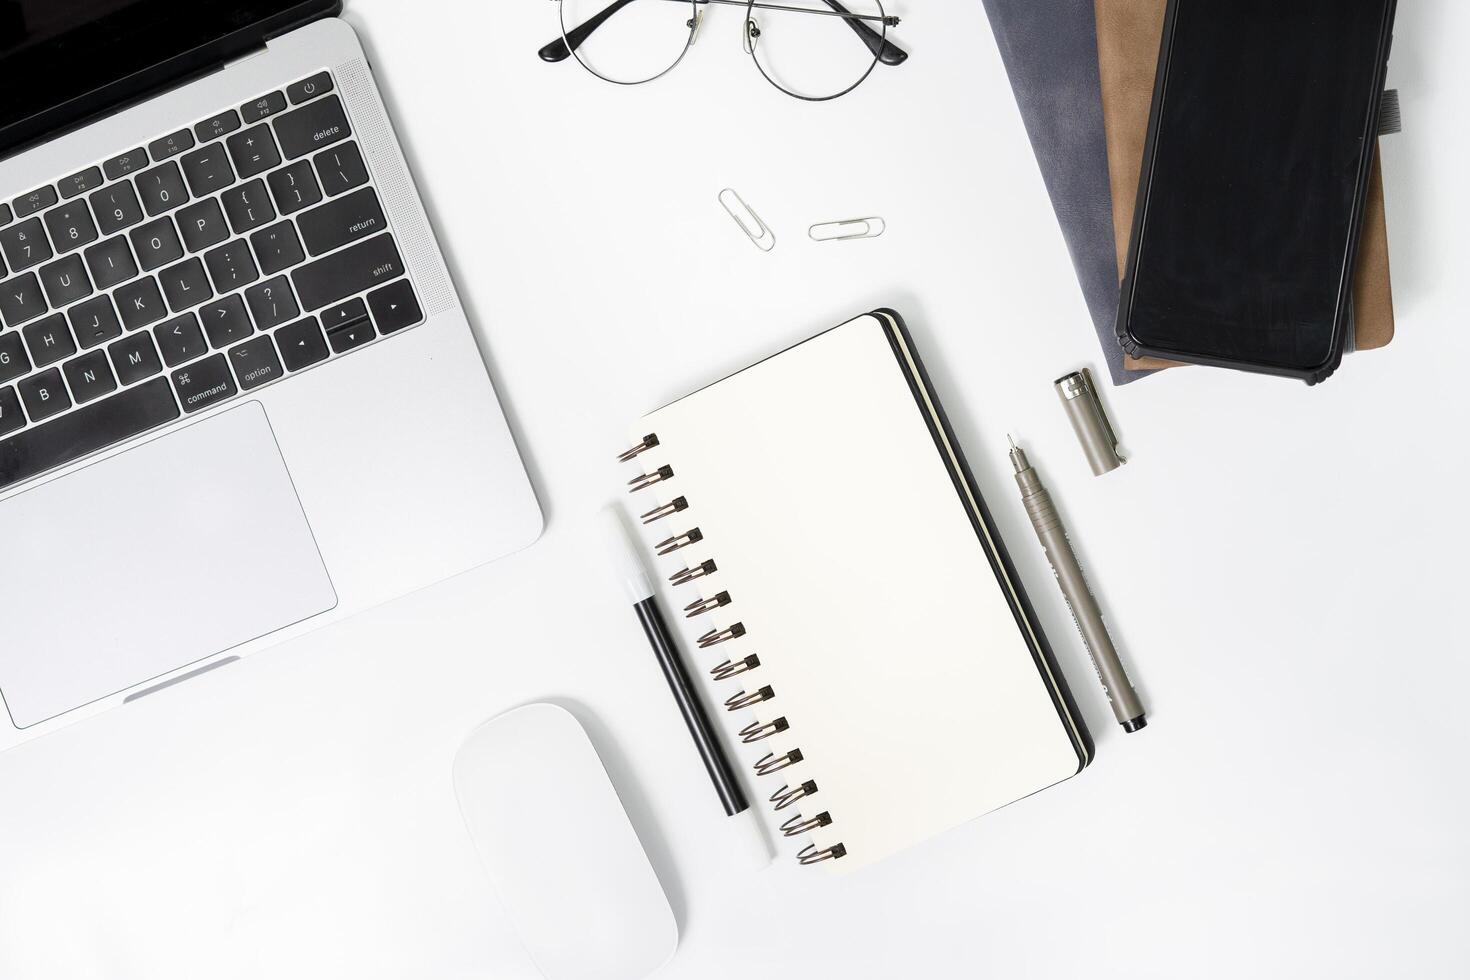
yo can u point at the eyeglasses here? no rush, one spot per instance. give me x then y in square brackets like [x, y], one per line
[811, 53]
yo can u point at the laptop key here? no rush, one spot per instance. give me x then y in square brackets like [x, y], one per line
[83, 432]
[266, 105]
[249, 207]
[314, 126]
[11, 417]
[162, 189]
[253, 150]
[90, 377]
[294, 187]
[94, 322]
[135, 358]
[44, 395]
[37, 200]
[352, 270]
[216, 126]
[116, 207]
[207, 169]
[202, 224]
[49, 340]
[140, 303]
[271, 303]
[65, 281]
[21, 300]
[125, 163]
[301, 343]
[13, 359]
[111, 262]
[231, 266]
[225, 321]
[156, 244]
[277, 248]
[350, 337]
[171, 145]
[185, 285]
[255, 363]
[79, 183]
[341, 221]
[71, 226]
[179, 339]
[395, 306]
[343, 315]
[309, 88]
[340, 168]
[204, 383]
[25, 244]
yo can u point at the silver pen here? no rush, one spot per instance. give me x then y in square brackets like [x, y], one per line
[1127, 708]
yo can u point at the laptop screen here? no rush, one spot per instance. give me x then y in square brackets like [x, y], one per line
[63, 61]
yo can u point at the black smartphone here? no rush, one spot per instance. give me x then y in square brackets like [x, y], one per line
[1260, 145]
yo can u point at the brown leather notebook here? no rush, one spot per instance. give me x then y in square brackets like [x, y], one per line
[1129, 33]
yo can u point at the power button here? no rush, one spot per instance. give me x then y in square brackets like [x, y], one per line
[309, 88]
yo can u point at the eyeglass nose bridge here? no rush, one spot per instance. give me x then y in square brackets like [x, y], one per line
[693, 24]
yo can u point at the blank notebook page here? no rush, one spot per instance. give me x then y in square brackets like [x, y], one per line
[849, 555]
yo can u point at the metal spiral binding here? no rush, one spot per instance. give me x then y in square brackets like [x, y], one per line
[715, 637]
[649, 479]
[771, 762]
[757, 731]
[701, 606]
[739, 701]
[730, 668]
[810, 854]
[797, 826]
[686, 575]
[649, 441]
[670, 545]
[659, 513]
[788, 794]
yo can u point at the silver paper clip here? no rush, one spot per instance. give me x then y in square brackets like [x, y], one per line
[842, 231]
[755, 229]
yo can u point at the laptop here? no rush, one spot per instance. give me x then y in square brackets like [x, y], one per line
[239, 396]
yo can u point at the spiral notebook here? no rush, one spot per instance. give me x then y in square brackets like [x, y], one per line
[851, 594]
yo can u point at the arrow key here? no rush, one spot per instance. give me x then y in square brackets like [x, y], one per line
[353, 335]
[394, 306]
[301, 343]
[344, 314]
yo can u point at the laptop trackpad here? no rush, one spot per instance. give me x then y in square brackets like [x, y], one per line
[150, 561]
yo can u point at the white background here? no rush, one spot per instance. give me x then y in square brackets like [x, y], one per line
[1284, 567]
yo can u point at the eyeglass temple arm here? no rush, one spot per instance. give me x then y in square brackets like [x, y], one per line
[886, 51]
[558, 50]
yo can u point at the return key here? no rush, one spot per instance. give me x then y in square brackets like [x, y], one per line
[344, 220]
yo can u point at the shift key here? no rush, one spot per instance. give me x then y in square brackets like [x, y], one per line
[353, 270]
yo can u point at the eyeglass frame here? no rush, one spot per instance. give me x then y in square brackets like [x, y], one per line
[884, 51]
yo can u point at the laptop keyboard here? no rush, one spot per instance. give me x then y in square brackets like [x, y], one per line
[169, 278]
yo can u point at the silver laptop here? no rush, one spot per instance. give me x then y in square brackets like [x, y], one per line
[239, 398]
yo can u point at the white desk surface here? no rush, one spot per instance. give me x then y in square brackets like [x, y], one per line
[1283, 565]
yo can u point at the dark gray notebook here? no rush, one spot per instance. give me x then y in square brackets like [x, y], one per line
[1050, 52]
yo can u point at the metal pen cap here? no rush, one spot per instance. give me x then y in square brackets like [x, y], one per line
[1090, 422]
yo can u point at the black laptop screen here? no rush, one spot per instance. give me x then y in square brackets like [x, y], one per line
[62, 61]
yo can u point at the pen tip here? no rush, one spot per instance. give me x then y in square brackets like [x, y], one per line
[1011, 439]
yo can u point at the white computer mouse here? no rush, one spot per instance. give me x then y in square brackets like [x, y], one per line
[560, 850]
